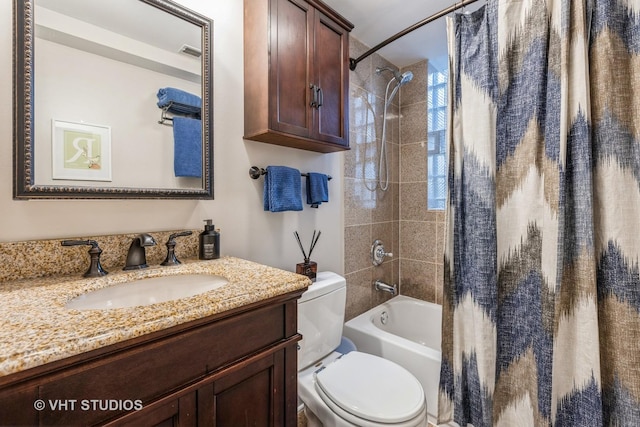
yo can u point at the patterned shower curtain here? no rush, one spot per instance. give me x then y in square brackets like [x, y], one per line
[541, 313]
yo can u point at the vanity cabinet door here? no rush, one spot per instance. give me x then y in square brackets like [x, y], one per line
[252, 395]
[18, 407]
[178, 412]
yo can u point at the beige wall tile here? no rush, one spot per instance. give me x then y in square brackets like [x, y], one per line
[418, 279]
[416, 90]
[413, 163]
[359, 201]
[413, 123]
[361, 76]
[413, 203]
[358, 293]
[383, 210]
[418, 241]
[363, 118]
[357, 248]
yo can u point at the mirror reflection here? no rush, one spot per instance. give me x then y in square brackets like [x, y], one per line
[120, 104]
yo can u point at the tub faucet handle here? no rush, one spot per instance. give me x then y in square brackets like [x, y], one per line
[378, 252]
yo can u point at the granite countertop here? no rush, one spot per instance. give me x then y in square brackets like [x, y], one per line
[36, 327]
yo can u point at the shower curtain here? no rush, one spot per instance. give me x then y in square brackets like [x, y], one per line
[541, 312]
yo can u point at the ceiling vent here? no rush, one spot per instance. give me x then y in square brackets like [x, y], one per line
[190, 50]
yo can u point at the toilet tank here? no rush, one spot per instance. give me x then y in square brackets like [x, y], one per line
[321, 317]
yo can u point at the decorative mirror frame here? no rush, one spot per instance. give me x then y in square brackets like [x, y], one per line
[24, 186]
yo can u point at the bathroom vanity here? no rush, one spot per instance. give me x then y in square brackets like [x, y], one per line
[225, 357]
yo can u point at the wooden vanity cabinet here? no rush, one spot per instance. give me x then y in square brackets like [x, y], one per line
[296, 74]
[237, 368]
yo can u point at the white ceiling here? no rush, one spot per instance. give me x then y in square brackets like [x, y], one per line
[136, 20]
[376, 20]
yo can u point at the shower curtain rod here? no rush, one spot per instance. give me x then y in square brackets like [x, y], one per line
[353, 63]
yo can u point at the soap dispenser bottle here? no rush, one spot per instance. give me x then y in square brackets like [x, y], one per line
[209, 242]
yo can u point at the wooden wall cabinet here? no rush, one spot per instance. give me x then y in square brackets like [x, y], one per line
[296, 74]
[233, 369]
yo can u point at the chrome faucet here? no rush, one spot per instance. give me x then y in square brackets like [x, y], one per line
[379, 285]
[136, 258]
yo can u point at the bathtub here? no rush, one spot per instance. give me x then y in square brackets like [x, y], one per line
[406, 331]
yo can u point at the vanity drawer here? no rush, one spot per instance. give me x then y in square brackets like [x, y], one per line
[102, 388]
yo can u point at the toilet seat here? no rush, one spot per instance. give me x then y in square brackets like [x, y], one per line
[368, 390]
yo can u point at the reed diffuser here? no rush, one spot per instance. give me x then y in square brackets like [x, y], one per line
[308, 267]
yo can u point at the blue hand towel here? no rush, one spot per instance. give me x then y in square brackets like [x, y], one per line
[317, 189]
[180, 102]
[282, 189]
[187, 147]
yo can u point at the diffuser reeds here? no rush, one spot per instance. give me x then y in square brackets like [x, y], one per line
[314, 240]
[308, 268]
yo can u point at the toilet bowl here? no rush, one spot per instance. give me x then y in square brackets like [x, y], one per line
[352, 389]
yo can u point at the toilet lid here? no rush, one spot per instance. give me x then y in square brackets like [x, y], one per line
[371, 388]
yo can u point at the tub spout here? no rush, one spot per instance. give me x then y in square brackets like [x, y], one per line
[381, 286]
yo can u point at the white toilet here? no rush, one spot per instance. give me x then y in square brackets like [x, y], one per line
[352, 389]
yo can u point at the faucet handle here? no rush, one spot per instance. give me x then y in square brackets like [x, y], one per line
[171, 246]
[181, 234]
[378, 252]
[95, 268]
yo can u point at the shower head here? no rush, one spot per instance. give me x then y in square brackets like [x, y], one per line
[405, 78]
[400, 78]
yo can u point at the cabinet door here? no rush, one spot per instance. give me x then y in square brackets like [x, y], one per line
[331, 56]
[253, 395]
[18, 406]
[178, 412]
[290, 95]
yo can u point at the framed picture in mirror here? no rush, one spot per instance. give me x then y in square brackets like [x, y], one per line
[80, 151]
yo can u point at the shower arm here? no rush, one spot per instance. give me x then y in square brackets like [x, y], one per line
[353, 63]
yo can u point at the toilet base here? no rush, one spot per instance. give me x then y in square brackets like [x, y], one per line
[312, 420]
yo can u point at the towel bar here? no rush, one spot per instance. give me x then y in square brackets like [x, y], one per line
[164, 117]
[256, 172]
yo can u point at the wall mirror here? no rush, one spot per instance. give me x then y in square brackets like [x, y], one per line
[88, 75]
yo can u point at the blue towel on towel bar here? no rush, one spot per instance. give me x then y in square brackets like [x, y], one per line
[180, 102]
[317, 189]
[187, 147]
[282, 189]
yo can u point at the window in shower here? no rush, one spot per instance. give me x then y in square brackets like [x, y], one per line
[436, 138]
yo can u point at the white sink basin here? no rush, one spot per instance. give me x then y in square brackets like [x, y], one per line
[147, 291]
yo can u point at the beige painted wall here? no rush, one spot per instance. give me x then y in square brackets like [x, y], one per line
[247, 231]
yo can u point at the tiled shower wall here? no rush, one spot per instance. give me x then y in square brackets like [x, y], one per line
[398, 216]
[421, 230]
[370, 213]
